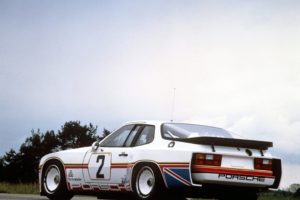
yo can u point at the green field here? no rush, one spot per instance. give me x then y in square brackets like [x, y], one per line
[19, 188]
[273, 197]
[276, 196]
[34, 189]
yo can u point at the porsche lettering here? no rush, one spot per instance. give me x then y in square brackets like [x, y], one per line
[241, 177]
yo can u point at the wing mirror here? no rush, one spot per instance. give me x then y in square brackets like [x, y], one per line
[95, 146]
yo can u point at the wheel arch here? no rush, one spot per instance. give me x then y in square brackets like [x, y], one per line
[143, 163]
[46, 162]
[51, 159]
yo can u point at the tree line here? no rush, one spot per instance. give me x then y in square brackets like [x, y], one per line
[22, 166]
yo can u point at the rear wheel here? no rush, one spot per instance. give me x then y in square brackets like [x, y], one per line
[147, 183]
[54, 181]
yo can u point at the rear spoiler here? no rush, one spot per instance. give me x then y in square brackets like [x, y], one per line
[228, 142]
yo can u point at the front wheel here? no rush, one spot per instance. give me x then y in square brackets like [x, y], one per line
[54, 182]
[147, 183]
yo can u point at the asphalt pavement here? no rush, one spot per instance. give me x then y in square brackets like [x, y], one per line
[37, 197]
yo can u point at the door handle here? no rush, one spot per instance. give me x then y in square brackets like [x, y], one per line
[123, 154]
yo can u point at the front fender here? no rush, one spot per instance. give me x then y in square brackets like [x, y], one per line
[66, 157]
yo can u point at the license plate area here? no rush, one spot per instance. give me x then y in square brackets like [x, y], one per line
[237, 162]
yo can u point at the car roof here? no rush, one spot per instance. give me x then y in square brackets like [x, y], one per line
[149, 122]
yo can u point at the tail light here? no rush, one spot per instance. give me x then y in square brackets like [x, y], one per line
[263, 164]
[207, 159]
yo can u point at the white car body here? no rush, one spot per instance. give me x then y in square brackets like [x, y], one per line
[98, 169]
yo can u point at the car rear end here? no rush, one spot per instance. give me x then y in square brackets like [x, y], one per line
[235, 167]
[221, 161]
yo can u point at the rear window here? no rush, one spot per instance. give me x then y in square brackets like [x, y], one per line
[183, 131]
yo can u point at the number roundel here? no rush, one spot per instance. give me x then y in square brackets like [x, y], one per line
[100, 159]
[99, 166]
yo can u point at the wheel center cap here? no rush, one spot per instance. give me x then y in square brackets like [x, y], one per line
[56, 179]
[150, 182]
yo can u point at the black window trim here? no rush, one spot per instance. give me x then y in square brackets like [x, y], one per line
[137, 135]
[134, 141]
[115, 132]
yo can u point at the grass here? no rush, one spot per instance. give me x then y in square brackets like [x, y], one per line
[273, 196]
[277, 196]
[16, 188]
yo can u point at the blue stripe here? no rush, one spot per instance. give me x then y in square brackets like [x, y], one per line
[183, 173]
[172, 182]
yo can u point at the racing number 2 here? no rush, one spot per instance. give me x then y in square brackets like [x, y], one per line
[100, 158]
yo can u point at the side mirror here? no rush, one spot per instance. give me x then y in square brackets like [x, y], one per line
[95, 146]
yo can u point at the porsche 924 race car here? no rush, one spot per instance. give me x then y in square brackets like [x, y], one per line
[155, 160]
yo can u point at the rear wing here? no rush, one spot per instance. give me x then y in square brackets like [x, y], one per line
[228, 142]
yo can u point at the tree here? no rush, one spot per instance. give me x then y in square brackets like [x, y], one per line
[11, 166]
[73, 135]
[297, 194]
[1, 168]
[50, 143]
[22, 166]
[105, 133]
[33, 149]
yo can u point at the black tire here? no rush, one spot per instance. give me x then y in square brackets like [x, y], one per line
[147, 183]
[175, 196]
[251, 196]
[54, 183]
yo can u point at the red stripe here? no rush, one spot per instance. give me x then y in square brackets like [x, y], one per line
[198, 169]
[125, 165]
[174, 166]
[86, 166]
[119, 166]
[76, 166]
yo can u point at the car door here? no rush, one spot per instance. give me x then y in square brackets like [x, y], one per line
[110, 163]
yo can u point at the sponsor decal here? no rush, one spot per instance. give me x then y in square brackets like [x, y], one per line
[71, 175]
[241, 178]
[74, 179]
[125, 179]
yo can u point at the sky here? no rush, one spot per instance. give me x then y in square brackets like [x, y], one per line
[235, 64]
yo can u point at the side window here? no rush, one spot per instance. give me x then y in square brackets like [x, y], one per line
[132, 135]
[146, 136]
[118, 138]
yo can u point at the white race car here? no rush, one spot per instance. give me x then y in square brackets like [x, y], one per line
[157, 160]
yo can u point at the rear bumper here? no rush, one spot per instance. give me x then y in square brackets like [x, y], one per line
[233, 179]
[231, 176]
[202, 174]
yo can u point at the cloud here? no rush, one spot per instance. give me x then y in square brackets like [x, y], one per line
[267, 125]
[271, 126]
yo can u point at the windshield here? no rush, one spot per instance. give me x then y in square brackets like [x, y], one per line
[182, 131]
